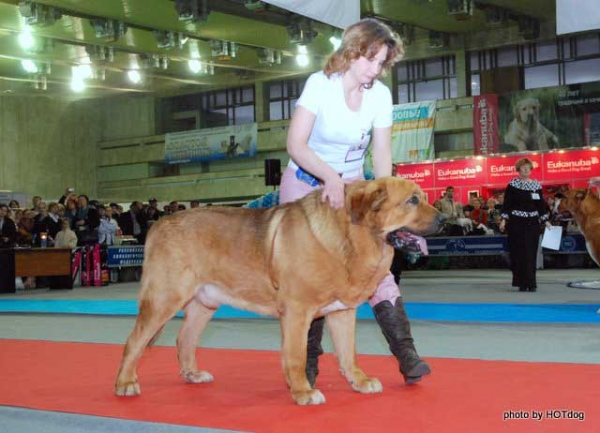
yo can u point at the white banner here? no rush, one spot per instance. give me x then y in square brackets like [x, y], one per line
[412, 132]
[574, 16]
[208, 144]
[326, 11]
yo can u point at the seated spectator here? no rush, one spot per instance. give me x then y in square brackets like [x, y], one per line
[194, 204]
[8, 229]
[65, 238]
[14, 205]
[25, 230]
[478, 214]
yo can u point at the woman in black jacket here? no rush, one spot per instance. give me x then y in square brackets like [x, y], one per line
[523, 211]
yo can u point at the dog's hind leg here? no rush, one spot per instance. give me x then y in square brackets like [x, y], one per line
[196, 318]
[154, 313]
[342, 328]
[295, 322]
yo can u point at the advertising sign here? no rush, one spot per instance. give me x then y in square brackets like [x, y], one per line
[576, 164]
[209, 144]
[421, 174]
[485, 124]
[412, 132]
[502, 169]
[471, 171]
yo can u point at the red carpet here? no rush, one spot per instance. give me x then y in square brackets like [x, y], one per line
[249, 392]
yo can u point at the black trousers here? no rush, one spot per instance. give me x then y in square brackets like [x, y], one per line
[523, 241]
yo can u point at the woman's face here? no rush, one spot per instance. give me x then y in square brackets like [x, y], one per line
[525, 171]
[366, 70]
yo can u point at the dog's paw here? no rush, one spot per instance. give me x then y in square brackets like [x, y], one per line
[305, 398]
[129, 389]
[197, 376]
[368, 386]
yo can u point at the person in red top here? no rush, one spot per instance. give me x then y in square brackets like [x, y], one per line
[478, 215]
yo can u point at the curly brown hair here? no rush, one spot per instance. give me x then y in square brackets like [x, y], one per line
[365, 38]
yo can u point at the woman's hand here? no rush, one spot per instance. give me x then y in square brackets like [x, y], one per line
[548, 224]
[333, 190]
[502, 226]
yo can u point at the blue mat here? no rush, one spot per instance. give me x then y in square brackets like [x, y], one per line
[528, 313]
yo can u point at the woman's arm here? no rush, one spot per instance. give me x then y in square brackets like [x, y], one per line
[382, 152]
[299, 131]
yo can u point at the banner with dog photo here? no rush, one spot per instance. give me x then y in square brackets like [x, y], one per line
[546, 118]
[233, 141]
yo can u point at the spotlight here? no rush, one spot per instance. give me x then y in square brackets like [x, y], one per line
[336, 42]
[461, 9]
[77, 85]
[301, 32]
[25, 38]
[30, 66]
[166, 39]
[134, 76]
[36, 14]
[302, 56]
[109, 30]
[223, 50]
[192, 10]
[268, 56]
[100, 53]
[195, 66]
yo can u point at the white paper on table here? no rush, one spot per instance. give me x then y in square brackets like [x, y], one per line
[552, 236]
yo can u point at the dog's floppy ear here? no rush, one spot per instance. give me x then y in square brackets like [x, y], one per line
[366, 200]
[580, 195]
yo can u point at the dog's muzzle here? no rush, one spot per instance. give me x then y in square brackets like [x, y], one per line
[407, 242]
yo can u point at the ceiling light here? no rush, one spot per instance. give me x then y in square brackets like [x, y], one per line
[26, 40]
[77, 85]
[81, 72]
[134, 76]
[192, 10]
[301, 32]
[36, 14]
[195, 66]
[336, 42]
[302, 56]
[166, 39]
[29, 66]
[110, 30]
[99, 53]
[268, 56]
[223, 50]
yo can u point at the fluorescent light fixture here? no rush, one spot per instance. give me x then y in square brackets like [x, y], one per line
[302, 56]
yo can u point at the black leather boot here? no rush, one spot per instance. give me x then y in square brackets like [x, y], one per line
[396, 329]
[314, 349]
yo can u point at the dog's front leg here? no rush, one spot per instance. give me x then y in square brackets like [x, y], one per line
[295, 322]
[342, 327]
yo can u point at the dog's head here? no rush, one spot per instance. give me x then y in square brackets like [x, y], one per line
[527, 110]
[391, 205]
[568, 204]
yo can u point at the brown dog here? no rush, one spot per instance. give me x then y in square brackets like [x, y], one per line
[296, 262]
[526, 132]
[584, 206]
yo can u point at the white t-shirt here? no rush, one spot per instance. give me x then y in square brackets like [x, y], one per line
[341, 136]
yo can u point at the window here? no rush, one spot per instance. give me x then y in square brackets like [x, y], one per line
[566, 60]
[426, 80]
[283, 96]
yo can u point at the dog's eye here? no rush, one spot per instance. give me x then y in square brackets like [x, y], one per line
[413, 200]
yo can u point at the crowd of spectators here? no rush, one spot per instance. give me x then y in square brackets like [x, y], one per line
[76, 220]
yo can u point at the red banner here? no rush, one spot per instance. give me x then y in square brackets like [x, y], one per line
[501, 169]
[575, 164]
[421, 174]
[464, 172]
[485, 124]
